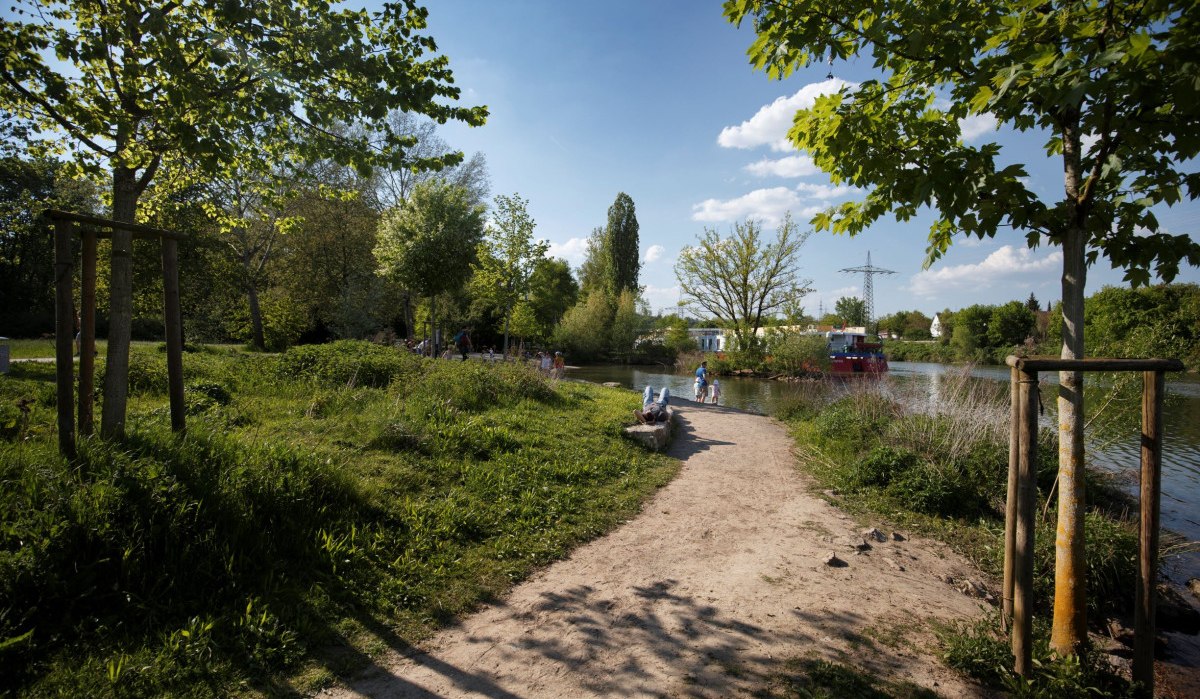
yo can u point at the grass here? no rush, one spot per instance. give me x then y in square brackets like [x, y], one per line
[812, 678]
[323, 506]
[941, 469]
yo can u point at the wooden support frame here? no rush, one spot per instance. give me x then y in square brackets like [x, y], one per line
[1018, 550]
[90, 229]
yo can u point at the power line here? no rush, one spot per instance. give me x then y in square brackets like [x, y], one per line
[868, 271]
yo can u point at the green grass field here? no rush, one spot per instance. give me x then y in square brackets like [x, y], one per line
[323, 505]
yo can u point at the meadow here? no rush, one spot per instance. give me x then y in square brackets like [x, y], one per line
[324, 504]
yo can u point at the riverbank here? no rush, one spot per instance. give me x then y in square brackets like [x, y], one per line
[724, 585]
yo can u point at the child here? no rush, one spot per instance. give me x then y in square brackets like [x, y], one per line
[714, 391]
[699, 389]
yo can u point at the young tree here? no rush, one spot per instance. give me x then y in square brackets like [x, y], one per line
[740, 280]
[622, 245]
[429, 243]
[507, 257]
[1111, 85]
[210, 85]
[595, 273]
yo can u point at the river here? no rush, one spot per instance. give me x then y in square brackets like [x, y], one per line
[1181, 447]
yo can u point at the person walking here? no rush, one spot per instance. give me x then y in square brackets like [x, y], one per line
[560, 365]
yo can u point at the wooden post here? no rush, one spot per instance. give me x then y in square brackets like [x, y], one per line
[1022, 628]
[64, 337]
[1151, 477]
[174, 329]
[1010, 509]
[87, 334]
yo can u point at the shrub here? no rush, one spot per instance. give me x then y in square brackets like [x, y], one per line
[883, 465]
[348, 362]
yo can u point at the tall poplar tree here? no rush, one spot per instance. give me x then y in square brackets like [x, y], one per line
[622, 246]
[213, 85]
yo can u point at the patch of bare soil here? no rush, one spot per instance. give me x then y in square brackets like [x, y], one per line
[721, 578]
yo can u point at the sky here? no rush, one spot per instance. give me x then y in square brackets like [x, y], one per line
[657, 99]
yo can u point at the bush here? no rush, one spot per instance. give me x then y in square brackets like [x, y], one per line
[348, 362]
[883, 465]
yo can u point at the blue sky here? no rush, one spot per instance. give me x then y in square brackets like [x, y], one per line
[656, 98]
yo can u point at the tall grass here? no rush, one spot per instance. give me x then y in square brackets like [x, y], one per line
[316, 499]
[939, 464]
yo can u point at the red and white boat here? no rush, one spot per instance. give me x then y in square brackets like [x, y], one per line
[850, 354]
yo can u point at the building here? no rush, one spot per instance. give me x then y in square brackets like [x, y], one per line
[935, 328]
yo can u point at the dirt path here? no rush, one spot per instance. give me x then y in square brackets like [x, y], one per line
[719, 580]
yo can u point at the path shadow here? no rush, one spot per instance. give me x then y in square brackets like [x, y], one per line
[687, 441]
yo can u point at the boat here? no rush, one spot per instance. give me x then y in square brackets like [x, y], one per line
[851, 354]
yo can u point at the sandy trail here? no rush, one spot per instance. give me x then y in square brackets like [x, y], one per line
[718, 581]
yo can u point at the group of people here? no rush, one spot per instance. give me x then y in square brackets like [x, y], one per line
[656, 410]
[706, 392]
[552, 366]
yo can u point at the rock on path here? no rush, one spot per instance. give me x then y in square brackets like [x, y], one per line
[718, 581]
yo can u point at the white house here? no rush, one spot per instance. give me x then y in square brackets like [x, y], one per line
[709, 339]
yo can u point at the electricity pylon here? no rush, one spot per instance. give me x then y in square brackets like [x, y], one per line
[868, 271]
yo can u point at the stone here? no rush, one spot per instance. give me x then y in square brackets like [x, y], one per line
[611, 384]
[834, 562]
[897, 536]
[874, 534]
[654, 437]
[894, 564]
[1194, 586]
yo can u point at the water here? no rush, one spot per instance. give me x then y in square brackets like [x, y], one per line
[1180, 503]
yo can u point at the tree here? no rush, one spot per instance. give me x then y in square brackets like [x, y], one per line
[1010, 325]
[208, 85]
[552, 290]
[622, 245]
[596, 271]
[852, 311]
[429, 243]
[583, 332]
[1032, 303]
[328, 266]
[507, 257]
[392, 186]
[1111, 85]
[624, 325]
[26, 252]
[740, 280]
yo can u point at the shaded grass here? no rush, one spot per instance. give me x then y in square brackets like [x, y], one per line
[305, 522]
[810, 678]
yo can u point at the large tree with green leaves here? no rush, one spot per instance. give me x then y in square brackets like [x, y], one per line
[743, 280]
[1111, 86]
[147, 84]
[622, 242]
[507, 258]
[852, 310]
[428, 244]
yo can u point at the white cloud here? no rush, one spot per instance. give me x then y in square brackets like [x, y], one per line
[572, 251]
[791, 166]
[653, 253]
[766, 205]
[769, 126]
[824, 191]
[977, 125]
[1006, 265]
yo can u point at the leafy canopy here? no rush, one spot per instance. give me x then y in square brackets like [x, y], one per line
[1112, 85]
[743, 280]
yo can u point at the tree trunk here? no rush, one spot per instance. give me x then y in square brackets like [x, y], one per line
[433, 328]
[257, 337]
[120, 306]
[1069, 631]
[507, 313]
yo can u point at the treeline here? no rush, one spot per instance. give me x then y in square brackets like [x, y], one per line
[338, 255]
[1152, 321]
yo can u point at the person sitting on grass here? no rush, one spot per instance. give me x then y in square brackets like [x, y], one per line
[653, 411]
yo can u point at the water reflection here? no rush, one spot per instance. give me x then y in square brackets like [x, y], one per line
[1181, 412]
